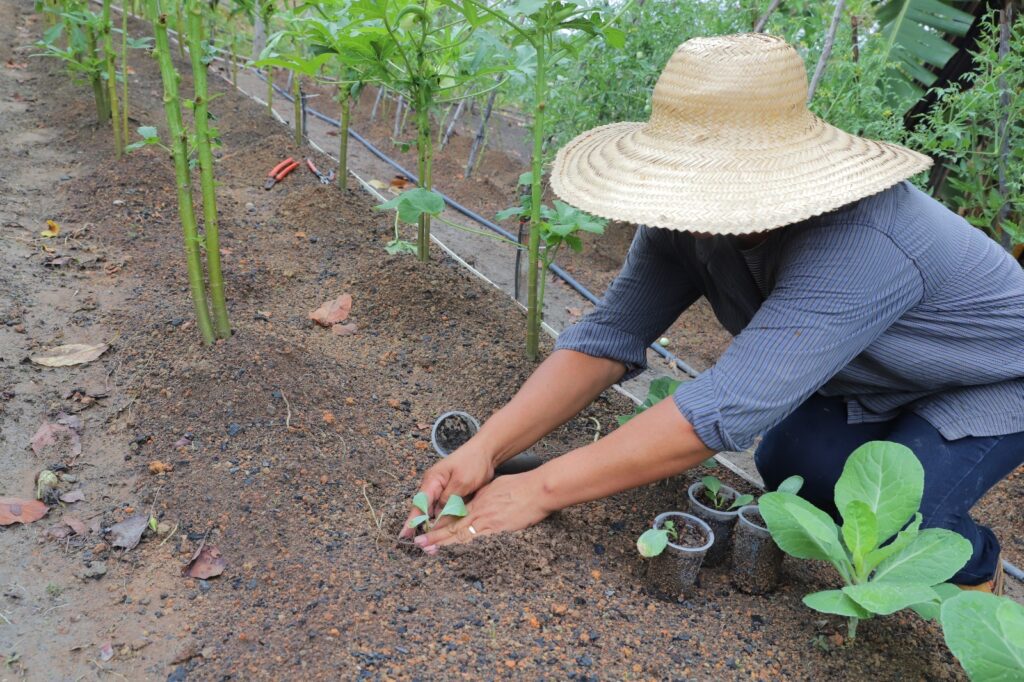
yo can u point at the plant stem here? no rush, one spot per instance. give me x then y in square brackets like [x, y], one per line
[205, 152]
[108, 59]
[851, 628]
[124, 73]
[534, 304]
[179, 148]
[346, 111]
[424, 156]
[297, 100]
[180, 22]
[102, 109]
[270, 91]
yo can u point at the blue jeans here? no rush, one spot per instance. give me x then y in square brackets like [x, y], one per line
[815, 440]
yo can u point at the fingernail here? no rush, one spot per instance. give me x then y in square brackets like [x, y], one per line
[431, 550]
[421, 540]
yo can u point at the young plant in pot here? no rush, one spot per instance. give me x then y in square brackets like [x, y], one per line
[756, 559]
[676, 544]
[717, 505]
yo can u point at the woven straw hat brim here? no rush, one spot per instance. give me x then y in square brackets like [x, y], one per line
[624, 171]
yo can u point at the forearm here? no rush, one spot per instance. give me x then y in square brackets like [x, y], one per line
[654, 445]
[563, 385]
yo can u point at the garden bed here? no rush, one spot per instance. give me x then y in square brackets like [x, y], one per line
[295, 451]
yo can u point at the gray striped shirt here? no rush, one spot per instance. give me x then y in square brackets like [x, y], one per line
[893, 302]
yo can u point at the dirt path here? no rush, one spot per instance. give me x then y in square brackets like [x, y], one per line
[294, 451]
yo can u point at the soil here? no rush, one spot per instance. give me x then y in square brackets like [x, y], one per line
[756, 559]
[294, 452]
[722, 522]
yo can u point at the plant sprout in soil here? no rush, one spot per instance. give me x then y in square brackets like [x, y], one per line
[653, 541]
[719, 500]
[453, 507]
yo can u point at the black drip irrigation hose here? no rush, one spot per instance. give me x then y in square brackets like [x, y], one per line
[476, 217]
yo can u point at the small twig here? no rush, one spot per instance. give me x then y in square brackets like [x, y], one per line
[169, 535]
[373, 513]
[826, 51]
[597, 428]
[6, 619]
[759, 26]
[288, 418]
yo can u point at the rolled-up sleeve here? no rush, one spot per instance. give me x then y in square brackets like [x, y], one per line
[838, 288]
[647, 296]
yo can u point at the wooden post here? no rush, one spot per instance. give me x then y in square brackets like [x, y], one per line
[826, 51]
[478, 140]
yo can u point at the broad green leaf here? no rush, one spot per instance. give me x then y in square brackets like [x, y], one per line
[986, 634]
[454, 507]
[413, 203]
[148, 132]
[929, 610]
[837, 602]
[652, 542]
[421, 502]
[902, 539]
[802, 530]
[526, 178]
[793, 484]
[511, 212]
[711, 484]
[860, 531]
[396, 246]
[888, 478]
[741, 501]
[524, 7]
[886, 598]
[930, 558]
[415, 522]
[615, 37]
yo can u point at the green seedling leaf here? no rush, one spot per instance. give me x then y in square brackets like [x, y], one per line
[802, 530]
[930, 610]
[670, 529]
[888, 478]
[837, 602]
[860, 532]
[415, 522]
[421, 502]
[793, 484]
[526, 178]
[652, 542]
[152, 523]
[712, 485]
[399, 246]
[886, 598]
[615, 37]
[903, 538]
[148, 133]
[511, 212]
[932, 557]
[741, 501]
[413, 203]
[454, 507]
[986, 634]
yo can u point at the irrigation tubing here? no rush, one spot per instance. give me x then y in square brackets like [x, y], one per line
[476, 217]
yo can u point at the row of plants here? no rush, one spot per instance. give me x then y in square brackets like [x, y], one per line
[886, 561]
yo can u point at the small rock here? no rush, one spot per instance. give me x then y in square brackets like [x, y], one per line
[250, 207]
[177, 322]
[119, 202]
[233, 429]
[65, 178]
[585, 660]
[204, 585]
[163, 528]
[94, 569]
[179, 675]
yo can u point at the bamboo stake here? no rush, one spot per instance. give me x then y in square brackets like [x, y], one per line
[124, 74]
[534, 314]
[451, 124]
[297, 102]
[1005, 238]
[826, 51]
[108, 59]
[397, 127]
[854, 21]
[760, 24]
[425, 157]
[478, 140]
[346, 105]
[376, 103]
[204, 148]
[180, 23]
[179, 147]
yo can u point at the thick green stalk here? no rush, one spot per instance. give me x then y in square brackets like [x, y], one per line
[346, 114]
[297, 97]
[180, 24]
[179, 148]
[92, 54]
[234, 63]
[534, 304]
[851, 629]
[424, 158]
[205, 152]
[270, 91]
[108, 59]
[124, 73]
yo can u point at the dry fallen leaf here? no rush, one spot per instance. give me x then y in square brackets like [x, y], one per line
[71, 496]
[127, 534]
[14, 510]
[377, 184]
[56, 440]
[158, 467]
[76, 525]
[332, 312]
[52, 230]
[346, 329]
[206, 563]
[300, 235]
[400, 183]
[71, 354]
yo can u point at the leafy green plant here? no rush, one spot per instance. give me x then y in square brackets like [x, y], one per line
[719, 500]
[878, 496]
[986, 634]
[653, 541]
[78, 28]
[453, 507]
[659, 389]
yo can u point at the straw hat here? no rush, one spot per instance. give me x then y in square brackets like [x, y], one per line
[731, 148]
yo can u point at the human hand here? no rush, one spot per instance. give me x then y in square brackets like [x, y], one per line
[461, 473]
[507, 503]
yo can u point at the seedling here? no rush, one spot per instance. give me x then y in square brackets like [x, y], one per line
[878, 496]
[453, 507]
[720, 500]
[653, 541]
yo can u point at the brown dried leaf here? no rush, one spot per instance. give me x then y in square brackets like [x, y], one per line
[71, 354]
[206, 563]
[127, 534]
[76, 525]
[57, 438]
[158, 467]
[15, 510]
[332, 312]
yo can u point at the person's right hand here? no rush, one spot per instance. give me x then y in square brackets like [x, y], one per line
[461, 473]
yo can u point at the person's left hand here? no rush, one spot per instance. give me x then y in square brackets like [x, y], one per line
[505, 504]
